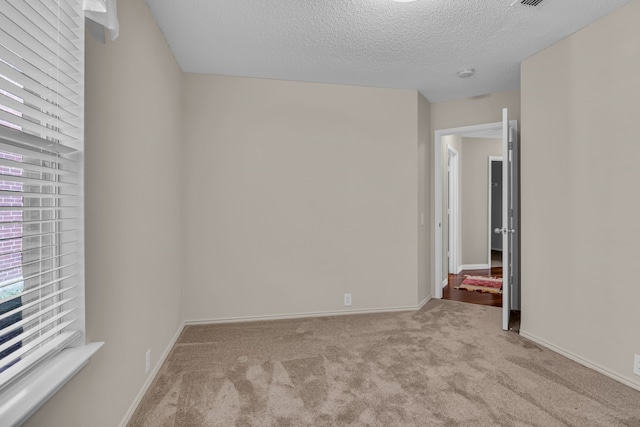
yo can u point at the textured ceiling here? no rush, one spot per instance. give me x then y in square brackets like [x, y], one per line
[420, 45]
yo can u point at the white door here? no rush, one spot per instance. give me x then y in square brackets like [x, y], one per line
[510, 258]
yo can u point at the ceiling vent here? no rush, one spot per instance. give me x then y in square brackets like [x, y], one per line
[529, 3]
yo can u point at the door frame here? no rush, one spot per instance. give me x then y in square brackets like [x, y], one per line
[453, 224]
[437, 168]
[490, 191]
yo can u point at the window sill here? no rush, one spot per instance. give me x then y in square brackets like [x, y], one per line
[21, 400]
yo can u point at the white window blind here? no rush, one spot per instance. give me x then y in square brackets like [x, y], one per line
[41, 141]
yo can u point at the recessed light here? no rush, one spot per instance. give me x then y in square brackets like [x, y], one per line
[466, 73]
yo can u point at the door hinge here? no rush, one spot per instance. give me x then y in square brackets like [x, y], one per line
[510, 145]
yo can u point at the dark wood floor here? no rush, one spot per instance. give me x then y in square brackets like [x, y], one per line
[483, 298]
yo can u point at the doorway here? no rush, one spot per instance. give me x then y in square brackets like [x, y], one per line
[507, 131]
[469, 184]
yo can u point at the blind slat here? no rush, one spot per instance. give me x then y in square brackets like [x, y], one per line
[45, 18]
[40, 340]
[38, 129]
[35, 263]
[39, 288]
[29, 167]
[64, 18]
[51, 209]
[13, 180]
[34, 153]
[44, 33]
[34, 303]
[42, 235]
[26, 252]
[31, 141]
[36, 101]
[37, 71]
[58, 222]
[29, 332]
[30, 111]
[37, 52]
[33, 195]
[32, 84]
[35, 316]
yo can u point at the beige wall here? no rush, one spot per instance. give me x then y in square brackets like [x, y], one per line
[475, 111]
[580, 229]
[133, 252]
[297, 193]
[424, 178]
[474, 196]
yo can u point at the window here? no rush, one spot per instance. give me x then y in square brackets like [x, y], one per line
[41, 142]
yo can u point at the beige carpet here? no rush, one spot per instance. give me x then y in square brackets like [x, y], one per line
[448, 364]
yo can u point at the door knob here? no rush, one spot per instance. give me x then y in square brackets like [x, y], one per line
[503, 231]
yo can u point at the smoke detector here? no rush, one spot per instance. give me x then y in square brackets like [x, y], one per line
[529, 4]
[466, 73]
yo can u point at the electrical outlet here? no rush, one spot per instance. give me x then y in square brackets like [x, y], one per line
[147, 360]
[636, 364]
[347, 300]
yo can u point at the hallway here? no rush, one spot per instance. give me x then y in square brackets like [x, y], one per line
[475, 297]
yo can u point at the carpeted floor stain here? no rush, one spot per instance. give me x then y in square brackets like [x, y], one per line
[448, 364]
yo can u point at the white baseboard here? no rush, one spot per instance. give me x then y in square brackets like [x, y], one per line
[474, 267]
[424, 301]
[309, 314]
[151, 377]
[581, 360]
